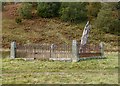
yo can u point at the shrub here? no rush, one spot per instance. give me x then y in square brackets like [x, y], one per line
[3, 4]
[25, 11]
[108, 19]
[48, 9]
[74, 12]
[18, 20]
[93, 9]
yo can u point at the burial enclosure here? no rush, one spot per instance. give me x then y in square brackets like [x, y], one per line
[63, 52]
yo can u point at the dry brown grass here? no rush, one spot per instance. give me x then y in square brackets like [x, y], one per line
[43, 30]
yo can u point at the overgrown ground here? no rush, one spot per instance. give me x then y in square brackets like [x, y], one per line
[96, 71]
[43, 30]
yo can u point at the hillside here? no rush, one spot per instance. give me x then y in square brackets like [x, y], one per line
[43, 30]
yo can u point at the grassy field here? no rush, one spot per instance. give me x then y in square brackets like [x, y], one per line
[96, 71]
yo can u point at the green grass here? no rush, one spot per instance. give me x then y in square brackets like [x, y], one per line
[96, 71]
[5, 54]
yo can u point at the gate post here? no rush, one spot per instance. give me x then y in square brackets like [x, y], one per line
[75, 56]
[102, 49]
[13, 50]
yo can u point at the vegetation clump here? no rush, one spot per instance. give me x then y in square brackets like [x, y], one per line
[25, 11]
[108, 18]
[73, 12]
[18, 20]
[48, 10]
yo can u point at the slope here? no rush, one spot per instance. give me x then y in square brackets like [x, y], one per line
[43, 30]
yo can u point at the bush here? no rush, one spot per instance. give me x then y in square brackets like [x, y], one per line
[3, 4]
[18, 20]
[108, 19]
[25, 11]
[48, 9]
[74, 12]
[93, 9]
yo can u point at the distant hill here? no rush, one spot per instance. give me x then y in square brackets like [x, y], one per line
[44, 30]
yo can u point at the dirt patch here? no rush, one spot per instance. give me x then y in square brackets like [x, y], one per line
[10, 11]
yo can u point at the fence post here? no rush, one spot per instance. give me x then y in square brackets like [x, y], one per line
[75, 55]
[51, 50]
[102, 49]
[13, 50]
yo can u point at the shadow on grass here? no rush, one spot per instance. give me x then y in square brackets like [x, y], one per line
[84, 59]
